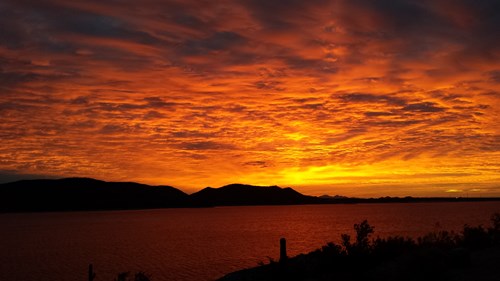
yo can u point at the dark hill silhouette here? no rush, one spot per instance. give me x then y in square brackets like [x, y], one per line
[86, 194]
[241, 194]
[72, 194]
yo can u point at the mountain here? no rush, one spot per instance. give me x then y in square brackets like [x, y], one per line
[86, 194]
[241, 194]
[73, 194]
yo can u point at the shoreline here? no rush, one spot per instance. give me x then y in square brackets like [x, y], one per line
[348, 201]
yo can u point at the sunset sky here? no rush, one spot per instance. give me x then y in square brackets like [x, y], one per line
[351, 97]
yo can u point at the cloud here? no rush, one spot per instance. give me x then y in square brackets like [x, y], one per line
[218, 41]
[11, 176]
[193, 134]
[494, 76]
[372, 98]
[423, 107]
[261, 164]
[206, 145]
[250, 90]
[378, 113]
[265, 12]
[268, 85]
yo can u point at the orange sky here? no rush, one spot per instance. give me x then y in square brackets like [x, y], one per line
[363, 98]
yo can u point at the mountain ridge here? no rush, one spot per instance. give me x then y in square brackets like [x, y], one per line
[68, 194]
[74, 194]
[244, 194]
[85, 194]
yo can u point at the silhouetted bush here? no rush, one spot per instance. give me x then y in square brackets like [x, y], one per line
[363, 231]
[331, 249]
[475, 237]
[439, 239]
[392, 246]
[494, 230]
[362, 245]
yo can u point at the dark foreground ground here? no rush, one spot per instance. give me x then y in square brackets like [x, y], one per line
[473, 254]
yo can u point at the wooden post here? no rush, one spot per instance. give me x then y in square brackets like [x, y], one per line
[283, 256]
[91, 273]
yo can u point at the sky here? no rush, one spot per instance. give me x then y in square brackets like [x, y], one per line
[350, 97]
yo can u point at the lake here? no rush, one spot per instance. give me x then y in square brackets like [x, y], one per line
[203, 243]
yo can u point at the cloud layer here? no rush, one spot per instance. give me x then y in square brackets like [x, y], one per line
[315, 94]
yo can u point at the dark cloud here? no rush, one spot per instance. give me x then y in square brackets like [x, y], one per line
[125, 59]
[371, 98]
[152, 114]
[423, 107]
[152, 104]
[112, 129]
[312, 106]
[276, 15]
[158, 102]
[117, 129]
[261, 164]
[87, 124]
[269, 85]
[491, 143]
[81, 100]
[391, 15]
[51, 19]
[351, 133]
[15, 36]
[19, 106]
[219, 41]
[190, 20]
[192, 134]
[378, 113]
[81, 22]
[8, 79]
[312, 66]
[119, 106]
[206, 145]
[494, 76]
[420, 28]
[11, 176]
[390, 124]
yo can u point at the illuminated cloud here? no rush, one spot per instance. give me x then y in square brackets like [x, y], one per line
[360, 97]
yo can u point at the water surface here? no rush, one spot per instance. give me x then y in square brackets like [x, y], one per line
[201, 244]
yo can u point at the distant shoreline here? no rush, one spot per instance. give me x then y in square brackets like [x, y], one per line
[85, 194]
[361, 201]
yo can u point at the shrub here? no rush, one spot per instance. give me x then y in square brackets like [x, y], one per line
[494, 230]
[475, 237]
[392, 246]
[439, 239]
[363, 231]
